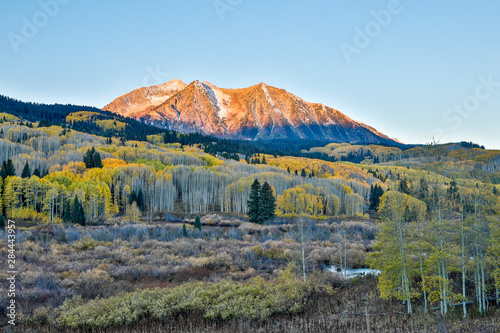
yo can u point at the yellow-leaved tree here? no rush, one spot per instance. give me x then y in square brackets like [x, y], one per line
[393, 255]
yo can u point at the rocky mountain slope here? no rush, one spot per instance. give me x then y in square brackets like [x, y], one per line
[257, 112]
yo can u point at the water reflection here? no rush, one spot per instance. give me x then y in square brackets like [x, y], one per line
[352, 272]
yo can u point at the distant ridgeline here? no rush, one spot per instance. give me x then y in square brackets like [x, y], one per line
[57, 114]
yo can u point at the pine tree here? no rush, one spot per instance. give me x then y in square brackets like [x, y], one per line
[77, 212]
[303, 173]
[81, 220]
[36, 173]
[26, 171]
[133, 196]
[407, 215]
[92, 159]
[97, 160]
[375, 193]
[11, 171]
[88, 158]
[267, 203]
[197, 223]
[3, 171]
[379, 192]
[403, 186]
[184, 230]
[8, 169]
[140, 200]
[67, 211]
[423, 192]
[371, 197]
[2, 222]
[254, 203]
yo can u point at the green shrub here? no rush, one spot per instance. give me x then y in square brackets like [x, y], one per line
[226, 299]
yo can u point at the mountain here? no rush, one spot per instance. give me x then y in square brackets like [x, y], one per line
[137, 103]
[257, 112]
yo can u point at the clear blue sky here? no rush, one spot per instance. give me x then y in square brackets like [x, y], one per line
[408, 74]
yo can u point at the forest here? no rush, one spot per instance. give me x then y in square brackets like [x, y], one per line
[139, 232]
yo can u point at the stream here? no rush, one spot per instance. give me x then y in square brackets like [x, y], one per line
[352, 272]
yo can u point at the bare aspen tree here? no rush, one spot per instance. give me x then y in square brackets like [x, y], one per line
[421, 261]
[478, 247]
[463, 258]
[440, 244]
[302, 240]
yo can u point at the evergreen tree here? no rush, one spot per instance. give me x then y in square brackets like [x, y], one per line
[184, 230]
[82, 214]
[264, 160]
[423, 192]
[11, 171]
[407, 216]
[267, 203]
[140, 200]
[36, 173]
[97, 160]
[67, 211]
[77, 212]
[7, 169]
[197, 223]
[166, 137]
[87, 159]
[375, 193]
[3, 171]
[133, 196]
[44, 123]
[303, 173]
[288, 169]
[254, 203]
[371, 197]
[26, 171]
[2, 222]
[403, 186]
[92, 159]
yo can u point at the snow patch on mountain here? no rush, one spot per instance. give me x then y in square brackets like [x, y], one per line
[221, 100]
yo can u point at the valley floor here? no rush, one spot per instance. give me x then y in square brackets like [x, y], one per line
[106, 264]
